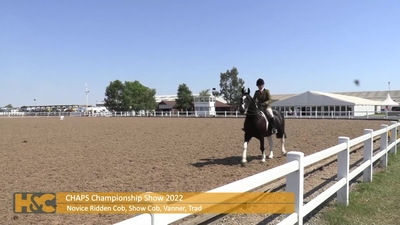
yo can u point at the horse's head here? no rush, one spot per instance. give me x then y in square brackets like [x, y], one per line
[246, 101]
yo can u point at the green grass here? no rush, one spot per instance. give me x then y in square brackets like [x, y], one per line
[374, 203]
[378, 114]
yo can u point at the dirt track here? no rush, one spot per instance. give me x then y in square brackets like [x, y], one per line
[139, 154]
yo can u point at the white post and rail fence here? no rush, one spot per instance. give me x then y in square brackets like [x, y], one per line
[393, 115]
[293, 170]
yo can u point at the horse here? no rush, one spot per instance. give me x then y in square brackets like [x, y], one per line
[256, 125]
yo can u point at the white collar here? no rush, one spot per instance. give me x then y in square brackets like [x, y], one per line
[262, 89]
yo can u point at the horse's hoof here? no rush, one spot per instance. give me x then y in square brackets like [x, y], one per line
[284, 153]
[262, 160]
[270, 157]
[243, 164]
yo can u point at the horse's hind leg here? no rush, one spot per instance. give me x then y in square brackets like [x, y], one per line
[262, 148]
[247, 139]
[283, 144]
[271, 147]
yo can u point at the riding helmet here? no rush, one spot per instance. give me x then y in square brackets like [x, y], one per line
[260, 82]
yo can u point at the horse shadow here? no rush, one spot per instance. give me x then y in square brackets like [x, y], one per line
[227, 161]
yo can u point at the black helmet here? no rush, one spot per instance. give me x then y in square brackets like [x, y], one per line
[260, 82]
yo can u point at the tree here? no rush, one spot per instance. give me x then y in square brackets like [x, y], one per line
[205, 93]
[231, 86]
[9, 106]
[139, 97]
[114, 97]
[215, 93]
[129, 96]
[185, 97]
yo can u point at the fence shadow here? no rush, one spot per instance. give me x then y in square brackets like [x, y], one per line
[227, 161]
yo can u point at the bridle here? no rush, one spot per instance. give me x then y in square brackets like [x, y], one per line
[246, 105]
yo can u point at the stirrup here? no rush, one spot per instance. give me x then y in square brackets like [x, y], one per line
[274, 130]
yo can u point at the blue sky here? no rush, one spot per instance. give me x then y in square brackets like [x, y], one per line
[50, 49]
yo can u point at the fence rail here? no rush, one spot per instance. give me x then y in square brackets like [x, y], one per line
[293, 171]
[392, 115]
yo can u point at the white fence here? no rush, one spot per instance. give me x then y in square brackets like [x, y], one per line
[392, 115]
[293, 170]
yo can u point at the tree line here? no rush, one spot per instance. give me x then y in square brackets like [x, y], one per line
[134, 96]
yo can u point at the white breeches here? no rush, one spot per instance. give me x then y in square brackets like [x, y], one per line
[269, 111]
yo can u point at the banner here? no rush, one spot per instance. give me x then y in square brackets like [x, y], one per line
[148, 202]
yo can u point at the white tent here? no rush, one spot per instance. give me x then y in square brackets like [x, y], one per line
[389, 101]
[316, 98]
[325, 103]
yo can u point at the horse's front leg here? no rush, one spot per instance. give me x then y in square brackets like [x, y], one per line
[271, 147]
[247, 139]
[262, 148]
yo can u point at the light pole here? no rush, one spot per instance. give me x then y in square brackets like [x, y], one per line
[87, 97]
[389, 85]
[35, 106]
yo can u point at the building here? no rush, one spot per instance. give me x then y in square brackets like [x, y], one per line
[221, 107]
[371, 95]
[160, 98]
[216, 106]
[204, 106]
[321, 103]
[166, 106]
[52, 108]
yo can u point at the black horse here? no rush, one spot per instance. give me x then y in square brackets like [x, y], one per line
[256, 125]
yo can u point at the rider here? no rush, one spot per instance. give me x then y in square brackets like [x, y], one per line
[263, 100]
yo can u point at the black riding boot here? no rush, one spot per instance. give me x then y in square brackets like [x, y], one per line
[273, 129]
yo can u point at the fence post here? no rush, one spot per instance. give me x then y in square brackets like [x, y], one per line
[187, 114]
[393, 137]
[154, 220]
[236, 114]
[343, 172]
[384, 144]
[295, 183]
[368, 152]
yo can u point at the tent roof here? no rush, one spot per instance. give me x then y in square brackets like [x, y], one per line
[389, 101]
[316, 98]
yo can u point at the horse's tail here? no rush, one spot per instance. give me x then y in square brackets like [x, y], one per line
[281, 131]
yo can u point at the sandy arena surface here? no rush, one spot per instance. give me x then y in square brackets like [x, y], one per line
[139, 155]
